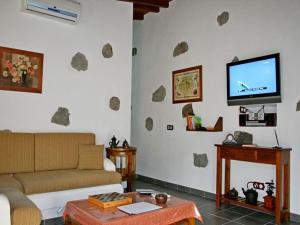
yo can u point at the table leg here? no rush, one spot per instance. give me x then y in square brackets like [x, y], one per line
[278, 200]
[227, 176]
[219, 178]
[188, 221]
[286, 191]
[129, 184]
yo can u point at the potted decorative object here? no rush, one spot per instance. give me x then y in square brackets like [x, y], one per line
[269, 200]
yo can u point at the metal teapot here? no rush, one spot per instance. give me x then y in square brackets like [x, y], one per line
[251, 194]
[113, 143]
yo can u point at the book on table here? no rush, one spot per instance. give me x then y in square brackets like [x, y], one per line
[110, 199]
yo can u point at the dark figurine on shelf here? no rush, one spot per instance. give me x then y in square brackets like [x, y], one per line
[269, 199]
[113, 143]
[233, 194]
[125, 144]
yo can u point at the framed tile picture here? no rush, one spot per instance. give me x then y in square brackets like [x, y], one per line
[187, 85]
[21, 70]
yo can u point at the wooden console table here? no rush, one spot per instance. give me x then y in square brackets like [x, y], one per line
[125, 161]
[280, 157]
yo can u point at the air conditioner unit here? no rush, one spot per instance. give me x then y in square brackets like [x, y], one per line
[64, 10]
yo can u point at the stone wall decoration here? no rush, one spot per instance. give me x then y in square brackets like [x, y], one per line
[223, 18]
[180, 48]
[114, 103]
[21, 70]
[61, 117]
[79, 62]
[159, 95]
[149, 123]
[187, 85]
[298, 106]
[134, 51]
[243, 138]
[107, 51]
[235, 59]
[200, 160]
[187, 110]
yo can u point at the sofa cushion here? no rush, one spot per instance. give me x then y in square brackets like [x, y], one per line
[16, 153]
[8, 181]
[90, 157]
[49, 181]
[22, 210]
[55, 151]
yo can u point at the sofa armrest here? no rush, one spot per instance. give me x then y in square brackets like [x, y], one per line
[109, 165]
[5, 210]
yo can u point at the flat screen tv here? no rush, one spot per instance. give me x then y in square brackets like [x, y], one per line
[254, 81]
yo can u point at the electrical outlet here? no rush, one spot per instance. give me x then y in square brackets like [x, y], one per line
[170, 127]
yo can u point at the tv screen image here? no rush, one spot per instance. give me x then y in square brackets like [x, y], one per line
[253, 78]
[254, 81]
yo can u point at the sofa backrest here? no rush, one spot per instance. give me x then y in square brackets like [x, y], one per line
[54, 151]
[16, 152]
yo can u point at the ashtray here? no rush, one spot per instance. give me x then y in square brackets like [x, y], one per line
[161, 198]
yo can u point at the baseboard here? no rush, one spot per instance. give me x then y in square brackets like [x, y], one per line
[293, 217]
[177, 187]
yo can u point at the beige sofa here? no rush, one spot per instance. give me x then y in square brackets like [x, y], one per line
[39, 167]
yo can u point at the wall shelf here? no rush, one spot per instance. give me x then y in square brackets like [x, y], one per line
[217, 128]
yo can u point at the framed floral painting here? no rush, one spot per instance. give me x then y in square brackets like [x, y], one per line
[21, 70]
[187, 85]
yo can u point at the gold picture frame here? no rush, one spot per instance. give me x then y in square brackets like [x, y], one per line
[187, 85]
[21, 70]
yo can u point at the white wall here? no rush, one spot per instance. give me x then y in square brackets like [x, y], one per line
[255, 28]
[86, 94]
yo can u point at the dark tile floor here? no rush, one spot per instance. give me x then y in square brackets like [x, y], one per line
[229, 215]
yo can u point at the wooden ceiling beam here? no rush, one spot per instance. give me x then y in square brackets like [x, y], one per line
[145, 8]
[157, 3]
[138, 16]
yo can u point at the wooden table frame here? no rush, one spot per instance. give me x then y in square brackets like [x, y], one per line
[189, 221]
[127, 170]
[275, 156]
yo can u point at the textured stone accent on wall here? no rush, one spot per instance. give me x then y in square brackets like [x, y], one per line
[242, 137]
[5, 131]
[134, 51]
[159, 95]
[223, 18]
[200, 160]
[107, 51]
[114, 103]
[79, 62]
[298, 106]
[61, 117]
[187, 110]
[149, 123]
[235, 59]
[180, 48]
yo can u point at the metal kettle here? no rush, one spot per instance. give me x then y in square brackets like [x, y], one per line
[251, 194]
[113, 143]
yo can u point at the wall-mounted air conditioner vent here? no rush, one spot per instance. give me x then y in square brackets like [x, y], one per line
[65, 10]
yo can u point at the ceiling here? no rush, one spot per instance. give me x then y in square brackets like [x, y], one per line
[142, 7]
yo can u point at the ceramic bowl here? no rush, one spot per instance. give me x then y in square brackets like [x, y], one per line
[161, 198]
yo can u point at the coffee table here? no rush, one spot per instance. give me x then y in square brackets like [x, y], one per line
[175, 211]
